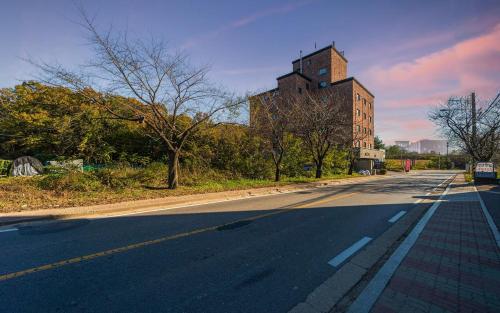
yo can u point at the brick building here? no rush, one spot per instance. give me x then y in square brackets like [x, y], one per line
[326, 69]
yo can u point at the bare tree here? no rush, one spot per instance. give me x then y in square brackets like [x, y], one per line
[320, 120]
[271, 120]
[352, 144]
[170, 97]
[475, 131]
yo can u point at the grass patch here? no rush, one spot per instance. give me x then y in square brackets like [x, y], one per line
[118, 184]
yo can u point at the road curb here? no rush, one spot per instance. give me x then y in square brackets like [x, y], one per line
[336, 292]
[151, 205]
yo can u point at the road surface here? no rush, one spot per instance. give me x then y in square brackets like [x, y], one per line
[263, 254]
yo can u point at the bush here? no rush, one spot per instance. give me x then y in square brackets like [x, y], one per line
[393, 165]
[70, 181]
[382, 171]
[5, 167]
[468, 177]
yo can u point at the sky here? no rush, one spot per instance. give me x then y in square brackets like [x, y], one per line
[412, 55]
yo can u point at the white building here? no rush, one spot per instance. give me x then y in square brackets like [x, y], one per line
[428, 146]
[403, 144]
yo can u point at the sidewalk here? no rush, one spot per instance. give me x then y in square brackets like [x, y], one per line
[454, 265]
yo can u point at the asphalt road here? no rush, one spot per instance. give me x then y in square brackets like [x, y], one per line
[262, 254]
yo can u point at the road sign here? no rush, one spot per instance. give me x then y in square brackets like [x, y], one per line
[485, 170]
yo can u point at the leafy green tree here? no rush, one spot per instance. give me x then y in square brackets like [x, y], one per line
[394, 152]
[54, 122]
[378, 143]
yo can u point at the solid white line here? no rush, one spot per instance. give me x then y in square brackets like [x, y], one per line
[491, 223]
[344, 255]
[397, 216]
[372, 291]
[7, 230]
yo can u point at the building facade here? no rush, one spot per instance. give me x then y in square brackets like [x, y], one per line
[326, 69]
[425, 146]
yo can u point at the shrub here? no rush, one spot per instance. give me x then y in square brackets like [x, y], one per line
[383, 171]
[5, 167]
[468, 177]
[393, 165]
[70, 181]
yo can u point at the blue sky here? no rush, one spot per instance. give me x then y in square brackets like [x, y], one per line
[410, 54]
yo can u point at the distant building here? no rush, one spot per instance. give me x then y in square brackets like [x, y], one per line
[428, 146]
[403, 144]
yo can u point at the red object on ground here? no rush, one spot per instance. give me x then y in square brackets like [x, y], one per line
[408, 165]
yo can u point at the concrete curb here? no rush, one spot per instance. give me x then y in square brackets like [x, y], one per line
[143, 206]
[338, 288]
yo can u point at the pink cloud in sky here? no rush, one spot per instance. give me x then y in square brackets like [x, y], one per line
[409, 89]
[472, 64]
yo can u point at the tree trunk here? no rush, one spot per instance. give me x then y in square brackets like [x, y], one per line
[351, 167]
[173, 167]
[277, 173]
[319, 168]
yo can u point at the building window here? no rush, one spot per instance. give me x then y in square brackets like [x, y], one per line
[358, 128]
[370, 105]
[322, 84]
[364, 130]
[358, 97]
[364, 144]
[364, 116]
[322, 71]
[370, 146]
[357, 144]
[370, 119]
[364, 101]
[358, 112]
[300, 90]
[370, 132]
[308, 62]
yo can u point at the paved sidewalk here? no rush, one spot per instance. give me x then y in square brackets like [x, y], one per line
[454, 265]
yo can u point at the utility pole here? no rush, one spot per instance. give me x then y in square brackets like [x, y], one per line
[474, 124]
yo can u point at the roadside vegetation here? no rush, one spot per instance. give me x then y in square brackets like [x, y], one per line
[116, 184]
[123, 160]
[468, 177]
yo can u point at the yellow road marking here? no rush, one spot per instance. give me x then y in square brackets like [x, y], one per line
[162, 239]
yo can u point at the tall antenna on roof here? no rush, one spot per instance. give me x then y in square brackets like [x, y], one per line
[315, 45]
[300, 61]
